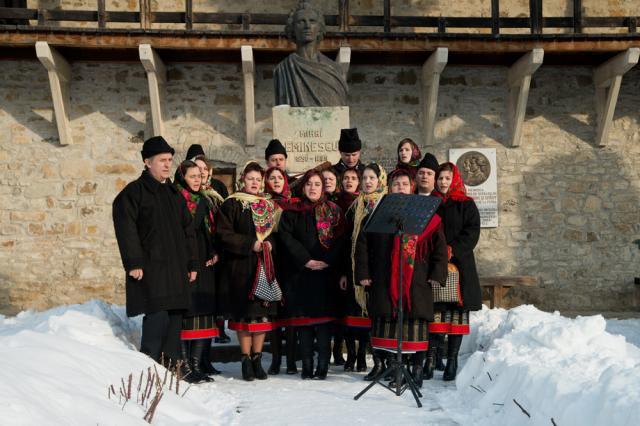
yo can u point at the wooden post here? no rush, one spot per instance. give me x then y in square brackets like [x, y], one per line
[59, 73]
[157, 78]
[102, 14]
[344, 60]
[343, 15]
[188, 15]
[248, 72]
[577, 16]
[145, 14]
[519, 81]
[387, 16]
[495, 17]
[607, 79]
[535, 11]
[431, 70]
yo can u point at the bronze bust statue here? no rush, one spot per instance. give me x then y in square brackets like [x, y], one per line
[307, 77]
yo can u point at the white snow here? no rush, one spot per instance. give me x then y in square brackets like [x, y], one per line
[57, 365]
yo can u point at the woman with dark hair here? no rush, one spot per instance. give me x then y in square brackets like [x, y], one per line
[277, 186]
[358, 325]
[312, 244]
[409, 156]
[424, 264]
[245, 224]
[461, 221]
[198, 323]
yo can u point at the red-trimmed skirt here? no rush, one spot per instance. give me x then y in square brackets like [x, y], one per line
[252, 325]
[415, 334]
[362, 323]
[199, 327]
[449, 319]
[303, 321]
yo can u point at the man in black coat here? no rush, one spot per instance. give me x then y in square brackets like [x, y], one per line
[350, 147]
[158, 249]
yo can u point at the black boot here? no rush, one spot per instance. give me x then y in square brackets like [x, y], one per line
[307, 368]
[207, 367]
[247, 368]
[197, 349]
[323, 337]
[430, 360]
[276, 352]
[256, 361]
[440, 353]
[338, 339]
[451, 369]
[222, 338]
[292, 343]
[378, 366]
[306, 335]
[361, 357]
[417, 370]
[350, 342]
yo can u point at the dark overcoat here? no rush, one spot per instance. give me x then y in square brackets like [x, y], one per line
[154, 230]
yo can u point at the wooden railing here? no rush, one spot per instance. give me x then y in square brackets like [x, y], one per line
[342, 21]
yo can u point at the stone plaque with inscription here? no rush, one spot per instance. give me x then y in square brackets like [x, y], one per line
[310, 134]
[478, 169]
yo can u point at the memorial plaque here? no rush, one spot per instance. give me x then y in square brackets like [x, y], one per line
[310, 134]
[479, 173]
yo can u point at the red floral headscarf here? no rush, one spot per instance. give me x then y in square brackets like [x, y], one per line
[286, 191]
[457, 191]
[416, 155]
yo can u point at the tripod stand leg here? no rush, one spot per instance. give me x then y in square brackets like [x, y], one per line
[376, 380]
[413, 382]
[412, 386]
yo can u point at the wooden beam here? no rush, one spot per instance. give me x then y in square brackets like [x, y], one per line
[519, 81]
[344, 60]
[248, 73]
[343, 15]
[157, 78]
[495, 17]
[577, 16]
[607, 79]
[431, 70]
[59, 73]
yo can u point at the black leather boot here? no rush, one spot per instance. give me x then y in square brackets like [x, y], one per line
[338, 339]
[417, 369]
[276, 352]
[453, 349]
[350, 342]
[222, 338]
[292, 343]
[256, 361]
[307, 368]
[207, 367]
[378, 366]
[195, 361]
[441, 353]
[361, 357]
[430, 360]
[323, 338]
[247, 368]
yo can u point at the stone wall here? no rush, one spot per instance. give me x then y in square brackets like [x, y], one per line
[568, 210]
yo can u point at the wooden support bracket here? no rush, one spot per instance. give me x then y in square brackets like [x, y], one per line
[157, 78]
[519, 81]
[607, 79]
[248, 73]
[431, 71]
[344, 60]
[59, 73]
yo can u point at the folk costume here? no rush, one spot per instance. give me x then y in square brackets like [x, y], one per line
[312, 231]
[461, 221]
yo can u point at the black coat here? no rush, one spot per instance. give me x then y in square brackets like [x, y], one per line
[236, 235]
[203, 289]
[220, 188]
[462, 229]
[308, 293]
[340, 167]
[155, 232]
[373, 261]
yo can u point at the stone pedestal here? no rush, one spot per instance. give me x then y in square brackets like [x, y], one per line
[310, 134]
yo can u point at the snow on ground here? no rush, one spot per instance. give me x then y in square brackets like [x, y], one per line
[58, 364]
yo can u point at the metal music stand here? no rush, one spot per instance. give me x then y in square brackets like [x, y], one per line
[400, 214]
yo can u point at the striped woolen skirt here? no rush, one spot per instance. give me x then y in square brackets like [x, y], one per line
[199, 327]
[448, 318]
[415, 334]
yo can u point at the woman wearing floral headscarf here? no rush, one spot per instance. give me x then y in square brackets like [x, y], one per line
[461, 221]
[358, 325]
[409, 156]
[312, 243]
[245, 224]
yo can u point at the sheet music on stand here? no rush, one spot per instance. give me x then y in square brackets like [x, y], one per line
[415, 211]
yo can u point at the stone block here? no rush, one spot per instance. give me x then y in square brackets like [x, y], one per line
[27, 216]
[87, 188]
[116, 169]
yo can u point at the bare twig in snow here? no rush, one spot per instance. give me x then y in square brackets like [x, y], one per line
[490, 378]
[479, 389]
[553, 422]
[522, 408]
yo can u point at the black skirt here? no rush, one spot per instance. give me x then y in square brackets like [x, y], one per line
[199, 327]
[415, 334]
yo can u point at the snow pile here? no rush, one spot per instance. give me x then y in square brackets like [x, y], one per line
[531, 367]
[57, 365]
